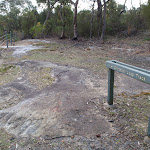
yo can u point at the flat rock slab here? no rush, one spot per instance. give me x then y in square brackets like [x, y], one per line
[65, 108]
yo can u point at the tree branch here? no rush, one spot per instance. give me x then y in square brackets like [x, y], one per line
[107, 1]
[73, 3]
[123, 8]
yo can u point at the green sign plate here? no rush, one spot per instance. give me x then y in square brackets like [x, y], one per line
[134, 72]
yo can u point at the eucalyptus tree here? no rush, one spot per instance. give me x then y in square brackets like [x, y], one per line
[84, 23]
[75, 32]
[28, 20]
[102, 8]
[63, 3]
[11, 11]
[64, 15]
[50, 5]
[114, 17]
[7, 5]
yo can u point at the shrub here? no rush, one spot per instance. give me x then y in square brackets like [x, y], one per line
[36, 31]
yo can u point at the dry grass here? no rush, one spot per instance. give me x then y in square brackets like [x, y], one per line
[40, 77]
[8, 73]
[131, 114]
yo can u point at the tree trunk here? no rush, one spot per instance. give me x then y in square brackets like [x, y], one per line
[50, 7]
[49, 11]
[63, 31]
[62, 16]
[75, 21]
[47, 17]
[99, 16]
[104, 23]
[91, 22]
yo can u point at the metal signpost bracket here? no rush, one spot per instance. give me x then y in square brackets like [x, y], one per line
[131, 71]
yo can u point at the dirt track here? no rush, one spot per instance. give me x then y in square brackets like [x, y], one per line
[70, 108]
[62, 109]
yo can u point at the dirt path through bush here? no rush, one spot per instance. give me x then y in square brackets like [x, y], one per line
[57, 106]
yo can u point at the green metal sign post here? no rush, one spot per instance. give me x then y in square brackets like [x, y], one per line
[131, 71]
[10, 37]
[6, 39]
[110, 86]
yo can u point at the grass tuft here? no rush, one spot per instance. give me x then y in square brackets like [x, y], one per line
[5, 68]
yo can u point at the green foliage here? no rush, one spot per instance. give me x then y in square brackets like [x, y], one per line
[133, 19]
[52, 27]
[13, 20]
[113, 18]
[28, 20]
[64, 15]
[9, 19]
[2, 24]
[54, 24]
[36, 31]
[84, 23]
[7, 5]
[146, 14]
[147, 38]
[42, 15]
[11, 14]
